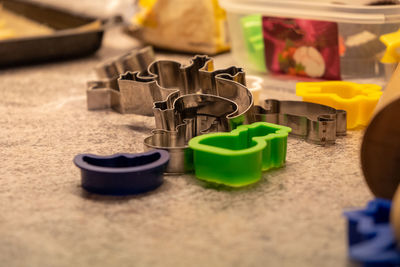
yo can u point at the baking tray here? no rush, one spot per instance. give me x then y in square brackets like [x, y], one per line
[66, 42]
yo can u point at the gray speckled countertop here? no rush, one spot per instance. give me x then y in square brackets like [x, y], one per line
[293, 217]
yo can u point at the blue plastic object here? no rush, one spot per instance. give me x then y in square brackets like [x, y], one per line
[122, 174]
[370, 235]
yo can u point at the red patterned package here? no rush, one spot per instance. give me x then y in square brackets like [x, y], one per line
[301, 47]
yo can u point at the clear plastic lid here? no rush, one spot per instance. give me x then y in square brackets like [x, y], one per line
[336, 11]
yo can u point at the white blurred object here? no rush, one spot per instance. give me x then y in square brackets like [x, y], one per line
[311, 59]
[100, 8]
[254, 85]
[360, 38]
[122, 7]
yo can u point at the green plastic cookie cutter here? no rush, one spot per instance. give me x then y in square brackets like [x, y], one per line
[254, 40]
[239, 157]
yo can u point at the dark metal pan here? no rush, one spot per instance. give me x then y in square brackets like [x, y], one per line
[67, 40]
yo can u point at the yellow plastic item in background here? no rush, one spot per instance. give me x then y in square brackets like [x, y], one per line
[392, 42]
[358, 100]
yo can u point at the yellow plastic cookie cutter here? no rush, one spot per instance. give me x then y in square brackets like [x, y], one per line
[392, 42]
[358, 100]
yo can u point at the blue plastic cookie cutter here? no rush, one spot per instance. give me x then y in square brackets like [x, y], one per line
[122, 174]
[370, 235]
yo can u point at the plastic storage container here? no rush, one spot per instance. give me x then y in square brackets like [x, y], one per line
[323, 40]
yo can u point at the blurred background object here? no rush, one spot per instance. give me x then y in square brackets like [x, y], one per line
[304, 39]
[179, 25]
[380, 151]
[32, 32]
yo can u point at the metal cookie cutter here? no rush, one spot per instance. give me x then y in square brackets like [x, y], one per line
[181, 157]
[316, 123]
[122, 174]
[192, 115]
[238, 158]
[199, 112]
[370, 235]
[105, 93]
[174, 108]
[187, 101]
[165, 80]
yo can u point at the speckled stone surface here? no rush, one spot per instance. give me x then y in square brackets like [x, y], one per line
[293, 217]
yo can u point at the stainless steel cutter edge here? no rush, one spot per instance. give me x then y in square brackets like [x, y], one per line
[105, 93]
[315, 123]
